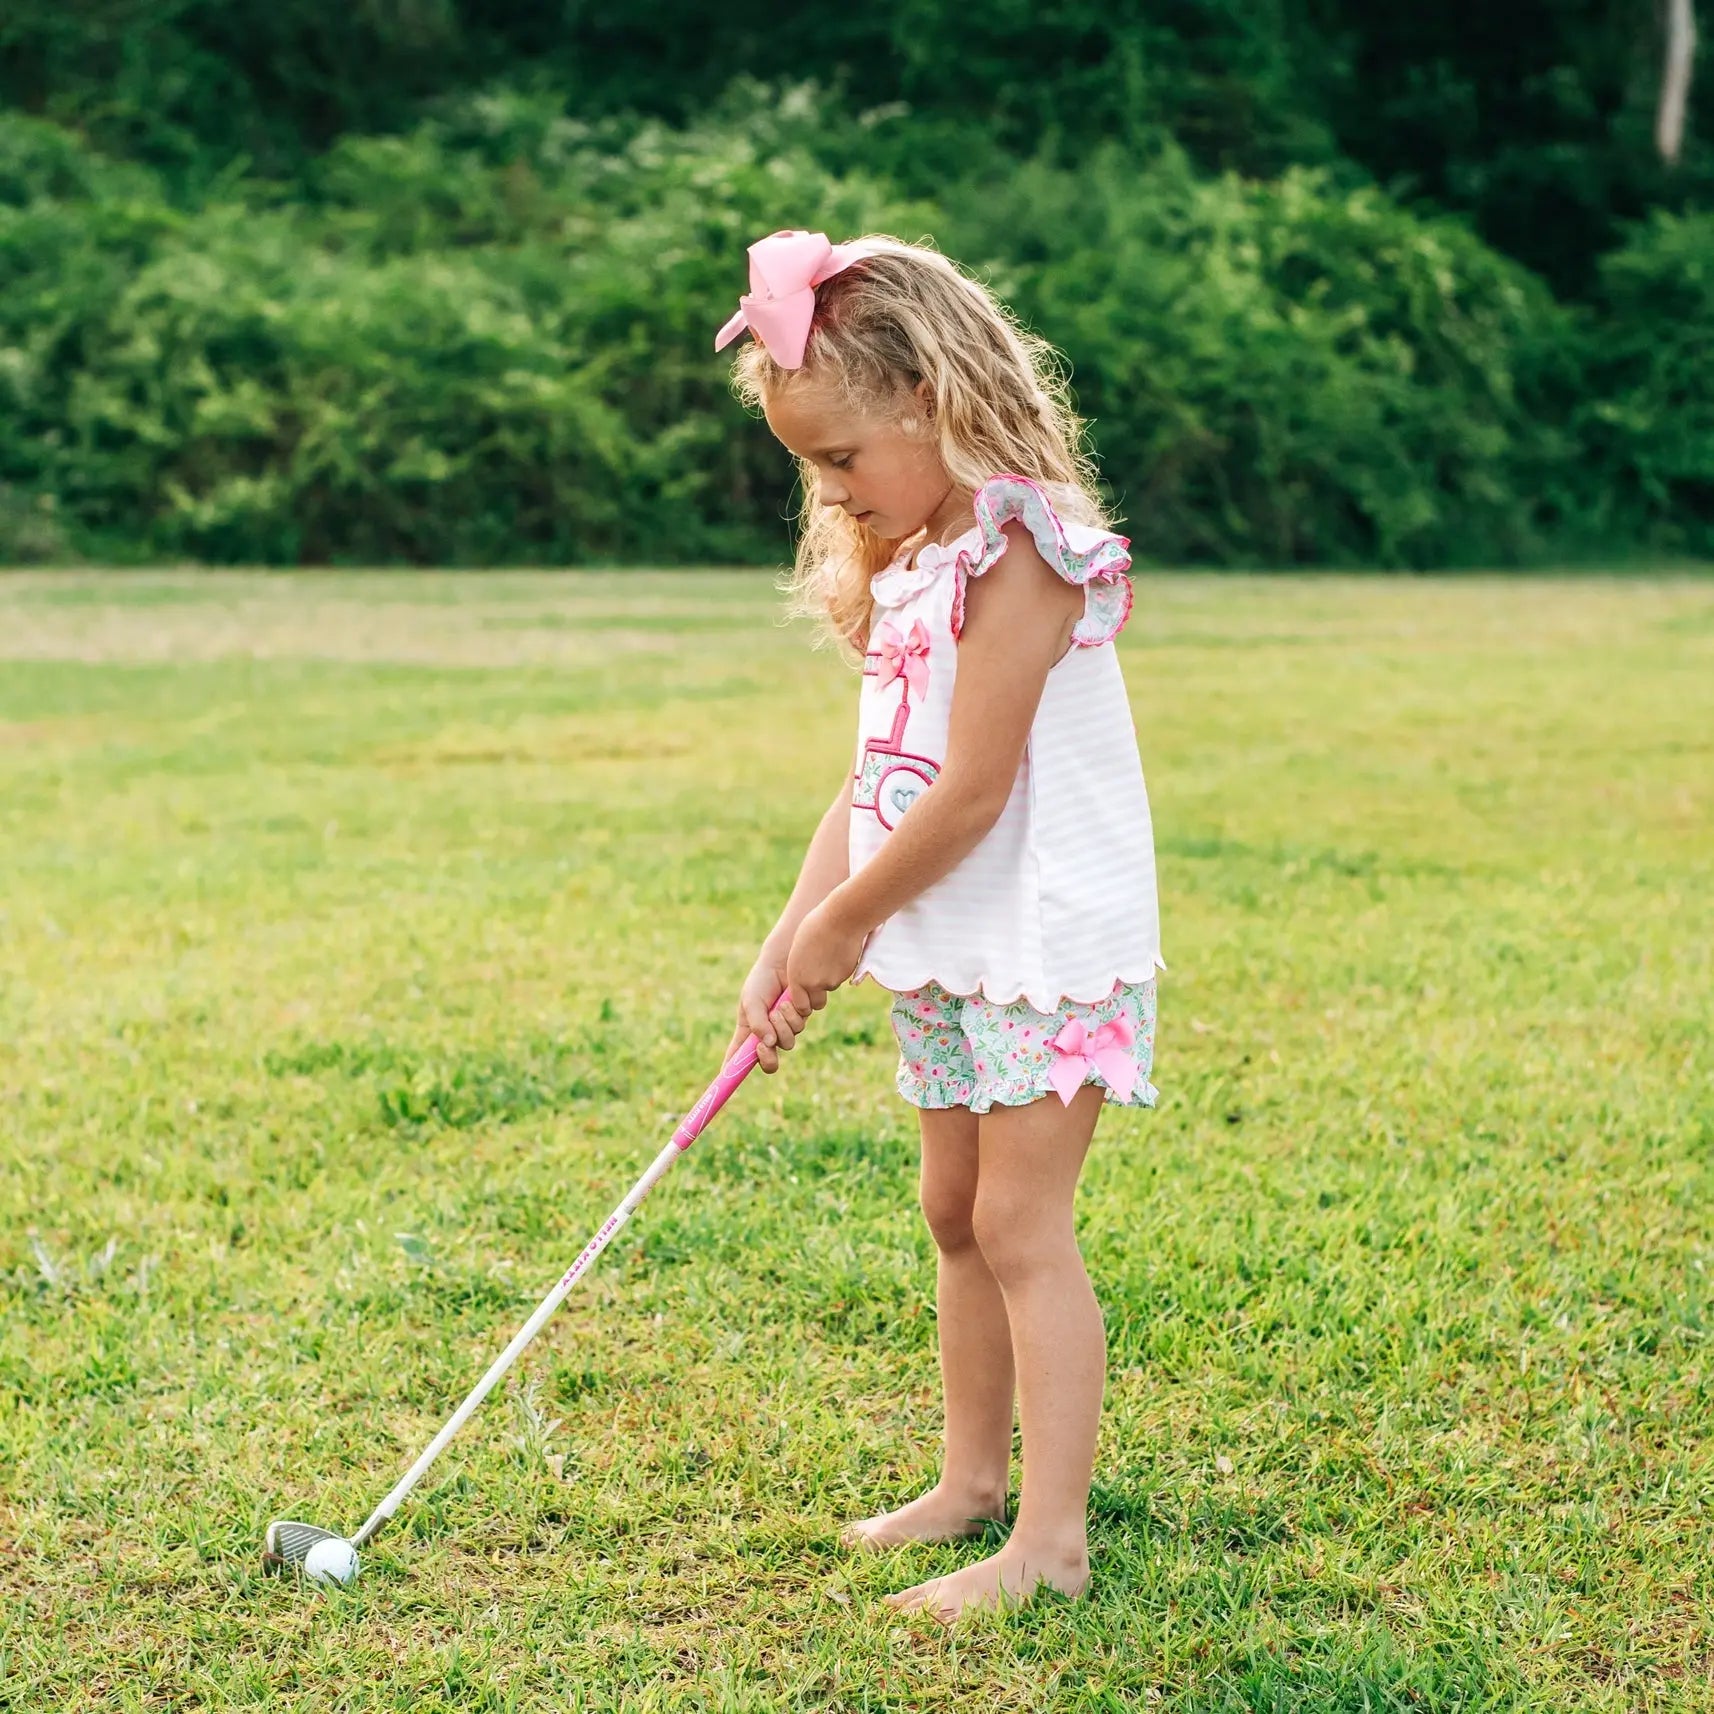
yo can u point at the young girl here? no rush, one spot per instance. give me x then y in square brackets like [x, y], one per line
[989, 857]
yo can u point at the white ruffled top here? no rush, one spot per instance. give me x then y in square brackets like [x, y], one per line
[1058, 901]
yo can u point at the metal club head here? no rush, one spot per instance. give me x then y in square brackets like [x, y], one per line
[288, 1543]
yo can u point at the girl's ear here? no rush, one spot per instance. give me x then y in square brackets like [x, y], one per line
[924, 395]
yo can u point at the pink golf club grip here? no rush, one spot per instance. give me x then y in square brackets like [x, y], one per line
[720, 1091]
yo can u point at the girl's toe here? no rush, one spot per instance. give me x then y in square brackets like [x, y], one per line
[907, 1599]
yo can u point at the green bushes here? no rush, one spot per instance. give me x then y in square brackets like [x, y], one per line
[1649, 418]
[260, 399]
[72, 228]
[1286, 372]
[488, 340]
[441, 358]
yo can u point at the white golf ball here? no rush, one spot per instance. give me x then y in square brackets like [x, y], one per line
[331, 1562]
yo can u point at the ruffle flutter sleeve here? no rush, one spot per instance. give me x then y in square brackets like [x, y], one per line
[1096, 560]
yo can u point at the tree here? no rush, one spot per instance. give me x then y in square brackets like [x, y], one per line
[1675, 79]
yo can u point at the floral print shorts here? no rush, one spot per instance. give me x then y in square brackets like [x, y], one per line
[958, 1050]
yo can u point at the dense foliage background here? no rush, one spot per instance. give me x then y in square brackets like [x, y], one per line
[428, 281]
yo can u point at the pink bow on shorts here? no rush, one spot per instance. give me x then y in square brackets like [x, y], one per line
[904, 659]
[1105, 1050]
[785, 269]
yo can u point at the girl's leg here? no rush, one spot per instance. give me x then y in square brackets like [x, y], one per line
[975, 1352]
[1023, 1220]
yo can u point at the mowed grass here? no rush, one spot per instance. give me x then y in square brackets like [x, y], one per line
[362, 938]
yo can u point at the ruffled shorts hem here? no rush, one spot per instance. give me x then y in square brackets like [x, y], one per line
[937, 1095]
[960, 1050]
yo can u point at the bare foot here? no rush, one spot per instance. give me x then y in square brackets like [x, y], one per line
[934, 1516]
[1008, 1578]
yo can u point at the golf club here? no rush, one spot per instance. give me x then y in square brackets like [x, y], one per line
[326, 1555]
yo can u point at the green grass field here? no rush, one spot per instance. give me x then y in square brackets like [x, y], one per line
[362, 937]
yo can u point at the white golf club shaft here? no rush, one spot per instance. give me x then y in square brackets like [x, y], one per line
[736, 1069]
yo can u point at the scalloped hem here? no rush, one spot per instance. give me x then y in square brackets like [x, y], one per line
[981, 988]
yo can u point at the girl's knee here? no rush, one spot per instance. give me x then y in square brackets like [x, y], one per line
[949, 1210]
[1018, 1242]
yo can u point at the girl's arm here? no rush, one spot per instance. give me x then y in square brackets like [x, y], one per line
[1018, 618]
[826, 863]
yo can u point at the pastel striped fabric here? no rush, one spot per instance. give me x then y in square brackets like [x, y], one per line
[1058, 901]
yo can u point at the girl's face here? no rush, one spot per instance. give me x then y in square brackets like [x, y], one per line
[869, 467]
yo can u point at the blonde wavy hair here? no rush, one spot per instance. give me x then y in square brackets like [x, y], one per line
[903, 313]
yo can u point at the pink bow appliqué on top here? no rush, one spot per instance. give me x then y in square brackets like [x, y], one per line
[904, 658]
[785, 269]
[1105, 1050]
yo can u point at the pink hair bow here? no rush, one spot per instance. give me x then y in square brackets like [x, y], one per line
[906, 659]
[1105, 1050]
[785, 269]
